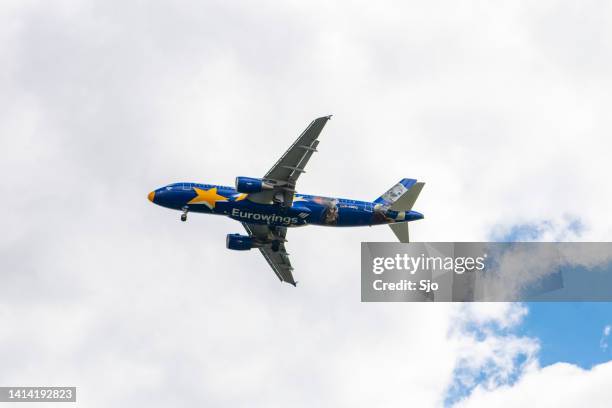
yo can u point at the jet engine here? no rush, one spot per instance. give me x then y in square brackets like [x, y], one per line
[251, 185]
[239, 242]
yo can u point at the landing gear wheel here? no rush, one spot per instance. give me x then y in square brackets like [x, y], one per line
[184, 214]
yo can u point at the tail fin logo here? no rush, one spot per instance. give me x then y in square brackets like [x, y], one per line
[395, 192]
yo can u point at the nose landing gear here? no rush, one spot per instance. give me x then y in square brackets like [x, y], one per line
[184, 214]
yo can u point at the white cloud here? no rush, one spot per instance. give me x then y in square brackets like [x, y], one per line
[489, 353]
[559, 385]
[510, 382]
[501, 314]
[103, 101]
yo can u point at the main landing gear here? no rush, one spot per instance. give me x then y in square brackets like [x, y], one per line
[184, 214]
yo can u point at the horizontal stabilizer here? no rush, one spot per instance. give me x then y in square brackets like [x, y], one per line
[401, 231]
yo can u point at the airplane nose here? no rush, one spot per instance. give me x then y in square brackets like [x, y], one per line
[151, 196]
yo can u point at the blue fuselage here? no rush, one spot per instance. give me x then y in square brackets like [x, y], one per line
[305, 209]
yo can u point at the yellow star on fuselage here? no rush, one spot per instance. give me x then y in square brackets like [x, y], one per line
[207, 197]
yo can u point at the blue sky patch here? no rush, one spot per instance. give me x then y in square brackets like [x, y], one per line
[569, 331]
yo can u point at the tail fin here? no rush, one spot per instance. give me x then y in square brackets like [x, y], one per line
[395, 192]
[400, 198]
[407, 200]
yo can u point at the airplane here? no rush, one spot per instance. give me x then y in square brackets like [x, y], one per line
[268, 206]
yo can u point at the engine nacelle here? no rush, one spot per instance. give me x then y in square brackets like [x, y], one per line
[239, 242]
[251, 185]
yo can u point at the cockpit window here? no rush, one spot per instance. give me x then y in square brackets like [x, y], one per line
[179, 186]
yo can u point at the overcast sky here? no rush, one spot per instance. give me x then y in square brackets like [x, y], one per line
[503, 109]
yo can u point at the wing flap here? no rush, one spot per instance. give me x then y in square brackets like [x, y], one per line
[278, 260]
[285, 172]
[280, 264]
[291, 164]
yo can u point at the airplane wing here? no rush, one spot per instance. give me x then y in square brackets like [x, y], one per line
[278, 260]
[284, 174]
